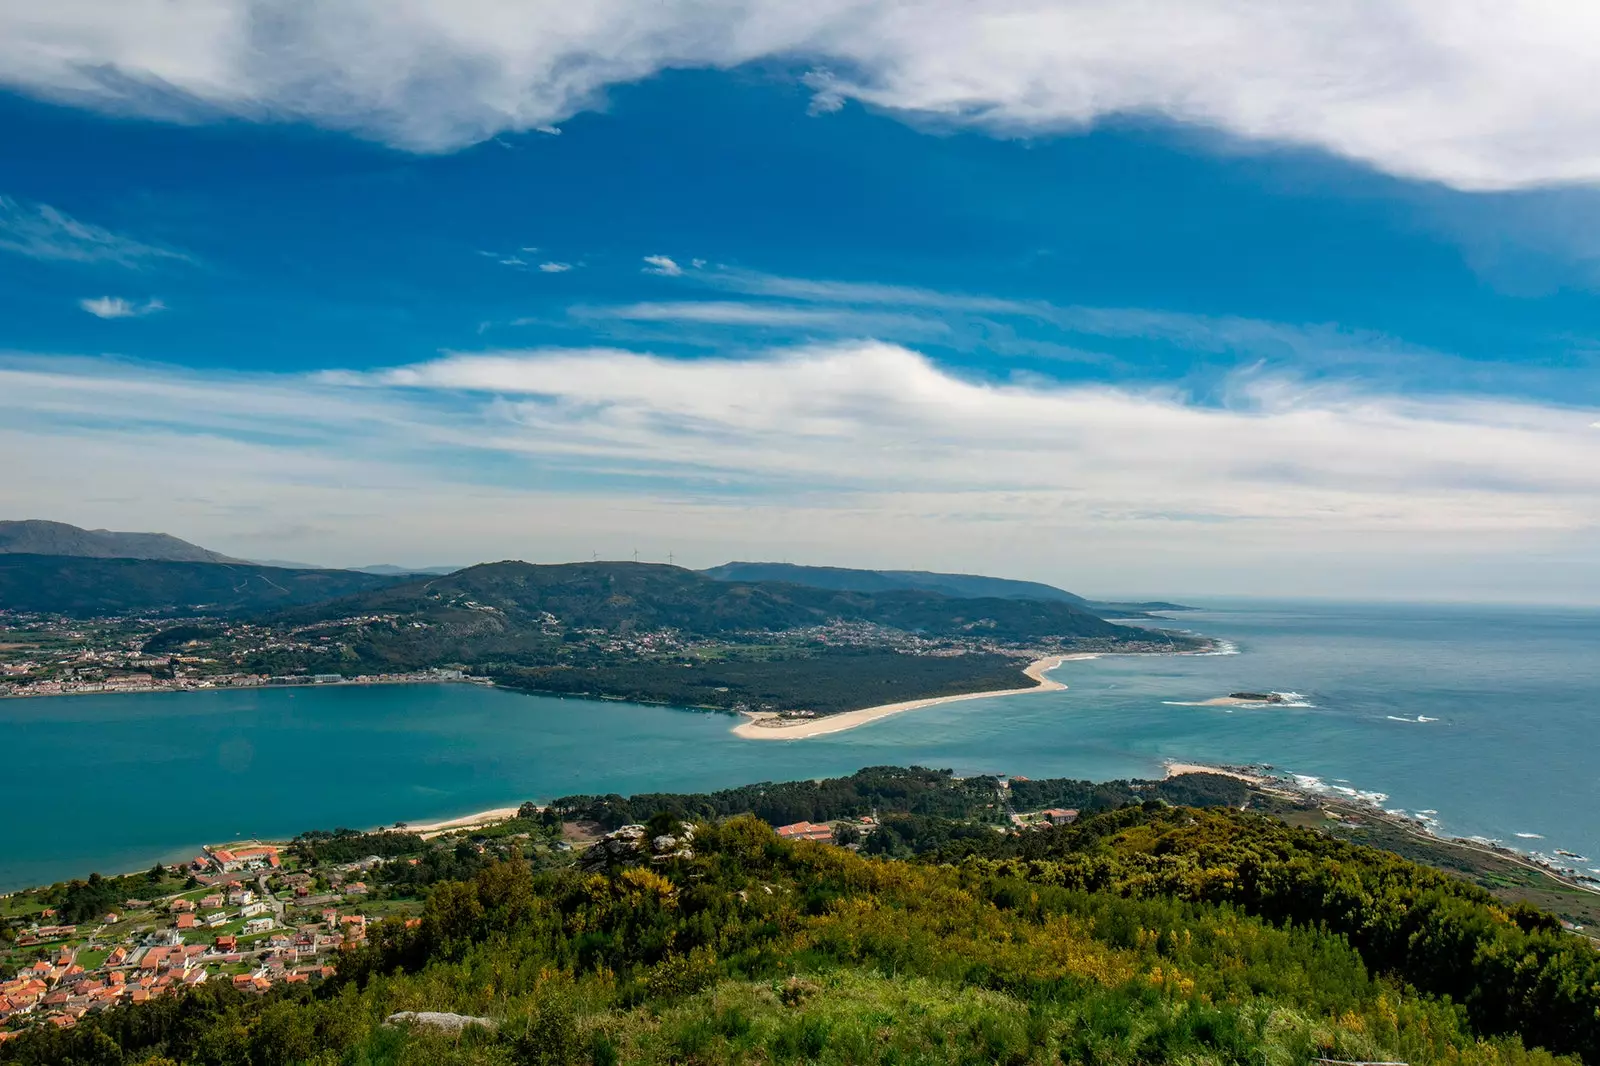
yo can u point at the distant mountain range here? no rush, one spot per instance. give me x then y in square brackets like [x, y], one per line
[87, 587]
[963, 586]
[56, 567]
[36, 537]
[508, 597]
[960, 586]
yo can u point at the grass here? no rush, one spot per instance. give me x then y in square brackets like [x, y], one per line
[92, 959]
[862, 1017]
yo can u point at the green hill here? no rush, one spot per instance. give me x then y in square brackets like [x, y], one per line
[845, 579]
[495, 598]
[959, 586]
[88, 587]
[663, 634]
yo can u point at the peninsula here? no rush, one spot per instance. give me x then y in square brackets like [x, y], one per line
[769, 725]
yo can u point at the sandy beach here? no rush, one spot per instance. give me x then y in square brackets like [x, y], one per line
[1174, 769]
[766, 725]
[466, 821]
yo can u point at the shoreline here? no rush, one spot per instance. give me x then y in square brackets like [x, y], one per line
[173, 689]
[426, 830]
[768, 725]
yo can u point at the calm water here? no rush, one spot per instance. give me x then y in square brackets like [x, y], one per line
[116, 782]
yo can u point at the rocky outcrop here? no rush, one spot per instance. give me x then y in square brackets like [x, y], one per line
[433, 1019]
[632, 845]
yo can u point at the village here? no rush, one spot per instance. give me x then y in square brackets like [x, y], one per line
[252, 920]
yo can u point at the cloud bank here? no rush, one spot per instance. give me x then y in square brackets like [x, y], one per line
[859, 453]
[1475, 95]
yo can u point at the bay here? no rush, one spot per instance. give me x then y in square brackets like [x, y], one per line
[1489, 716]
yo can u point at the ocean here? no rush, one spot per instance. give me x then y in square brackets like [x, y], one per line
[1485, 720]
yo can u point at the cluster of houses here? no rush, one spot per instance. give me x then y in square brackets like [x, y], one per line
[818, 831]
[239, 858]
[61, 990]
[188, 947]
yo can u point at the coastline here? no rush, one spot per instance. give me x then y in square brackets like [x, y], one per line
[465, 821]
[1178, 769]
[769, 725]
[376, 679]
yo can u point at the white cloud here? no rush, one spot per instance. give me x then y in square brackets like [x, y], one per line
[555, 268]
[1472, 94]
[860, 453]
[39, 231]
[118, 307]
[660, 264]
[867, 292]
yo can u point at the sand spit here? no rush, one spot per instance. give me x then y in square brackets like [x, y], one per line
[768, 725]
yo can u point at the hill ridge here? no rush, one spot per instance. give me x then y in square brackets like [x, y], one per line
[38, 536]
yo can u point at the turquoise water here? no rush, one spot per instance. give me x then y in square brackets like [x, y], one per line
[1512, 747]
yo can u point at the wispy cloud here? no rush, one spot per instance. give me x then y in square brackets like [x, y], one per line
[40, 231]
[663, 265]
[858, 292]
[554, 267]
[119, 307]
[1136, 342]
[773, 315]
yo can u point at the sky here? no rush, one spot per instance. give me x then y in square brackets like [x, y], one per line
[1141, 299]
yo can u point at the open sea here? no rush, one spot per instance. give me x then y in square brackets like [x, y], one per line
[1486, 719]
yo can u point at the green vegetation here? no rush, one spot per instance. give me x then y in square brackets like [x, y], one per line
[1513, 970]
[89, 900]
[821, 679]
[492, 600]
[1145, 935]
[969, 586]
[1510, 878]
[847, 579]
[348, 845]
[914, 791]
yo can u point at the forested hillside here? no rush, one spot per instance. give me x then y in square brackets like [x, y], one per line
[644, 596]
[847, 579]
[1144, 935]
[899, 790]
[84, 587]
[961, 586]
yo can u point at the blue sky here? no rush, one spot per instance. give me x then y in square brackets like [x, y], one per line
[797, 298]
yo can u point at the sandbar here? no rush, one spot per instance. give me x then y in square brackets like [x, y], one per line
[769, 725]
[1174, 769]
